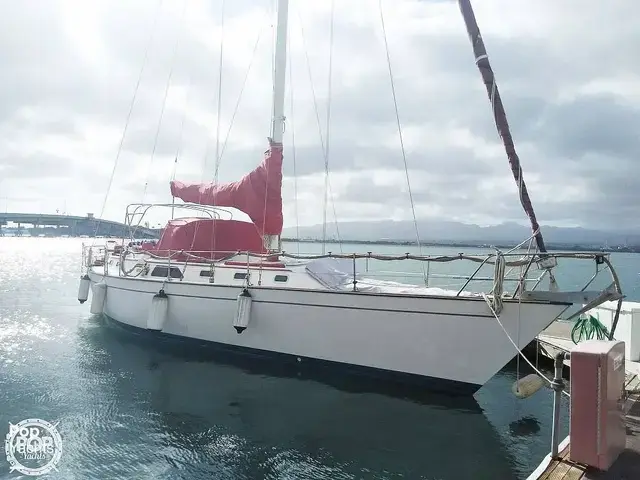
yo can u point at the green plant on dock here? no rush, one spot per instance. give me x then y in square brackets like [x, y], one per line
[587, 327]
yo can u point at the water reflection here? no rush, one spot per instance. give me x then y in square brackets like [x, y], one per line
[132, 409]
[524, 426]
[249, 423]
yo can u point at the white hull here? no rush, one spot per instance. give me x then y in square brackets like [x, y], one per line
[454, 342]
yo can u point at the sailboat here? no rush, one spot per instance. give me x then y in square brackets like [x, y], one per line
[226, 282]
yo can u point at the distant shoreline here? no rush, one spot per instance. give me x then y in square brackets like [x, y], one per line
[557, 247]
[550, 246]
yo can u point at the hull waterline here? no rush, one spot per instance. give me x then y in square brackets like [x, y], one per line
[444, 344]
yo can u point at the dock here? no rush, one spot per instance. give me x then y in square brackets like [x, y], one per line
[626, 466]
[557, 338]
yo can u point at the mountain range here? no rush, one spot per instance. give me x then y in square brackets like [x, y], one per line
[456, 232]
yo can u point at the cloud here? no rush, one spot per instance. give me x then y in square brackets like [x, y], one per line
[567, 72]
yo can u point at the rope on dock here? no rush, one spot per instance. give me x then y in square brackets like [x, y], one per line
[588, 326]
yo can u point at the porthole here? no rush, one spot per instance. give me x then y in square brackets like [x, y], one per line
[162, 271]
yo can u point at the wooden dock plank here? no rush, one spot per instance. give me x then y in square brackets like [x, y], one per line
[574, 473]
[629, 461]
[563, 468]
[555, 464]
[559, 472]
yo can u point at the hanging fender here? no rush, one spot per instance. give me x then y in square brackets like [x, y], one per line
[98, 297]
[243, 311]
[83, 288]
[158, 311]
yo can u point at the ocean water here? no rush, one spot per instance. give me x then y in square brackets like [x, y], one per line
[127, 407]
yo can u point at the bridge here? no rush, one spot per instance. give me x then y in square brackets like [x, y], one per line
[69, 225]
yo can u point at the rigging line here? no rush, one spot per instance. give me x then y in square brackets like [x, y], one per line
[184, 117]
[219, 113]
[217, 160]
[164, 103]
[208, 143]
[179, 148]
[328, 130]
[293, 145]
[244, 84]
[164, 100]
[404, 155]
[126, 124]
[313, 92]
[335, 215]
[317, 113]
[497, 317]
[531, 239]
[173, 199]
[333, 205]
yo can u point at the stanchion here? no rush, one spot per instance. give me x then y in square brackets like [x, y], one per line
[558, 386]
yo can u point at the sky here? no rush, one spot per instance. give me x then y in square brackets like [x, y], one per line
[567, 72]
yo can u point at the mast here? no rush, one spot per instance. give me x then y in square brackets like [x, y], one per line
[500, 117]
[280, 66]
[279, 80]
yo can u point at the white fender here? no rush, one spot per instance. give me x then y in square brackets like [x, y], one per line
[98, 297]
[527, 386]
[243, 311]
[83, 288]
[158, 311]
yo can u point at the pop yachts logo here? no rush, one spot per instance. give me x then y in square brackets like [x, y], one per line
[33, 447]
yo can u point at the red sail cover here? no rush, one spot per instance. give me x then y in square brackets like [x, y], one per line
[208, 238]
[258, 194]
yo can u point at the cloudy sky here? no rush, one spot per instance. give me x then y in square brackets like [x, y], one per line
[568, 72]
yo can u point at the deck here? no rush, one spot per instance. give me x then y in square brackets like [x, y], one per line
[627, 467]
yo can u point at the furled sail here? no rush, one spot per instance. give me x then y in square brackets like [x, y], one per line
[500, 117]
[258, 194]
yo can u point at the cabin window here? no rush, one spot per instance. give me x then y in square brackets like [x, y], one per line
[281, 278]
[205, 273]
[239, 275]
[162, 271]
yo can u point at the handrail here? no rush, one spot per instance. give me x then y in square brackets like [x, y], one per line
[133, 210]
[513, 259]
[509, 259]
[390, 257]
[385, 256]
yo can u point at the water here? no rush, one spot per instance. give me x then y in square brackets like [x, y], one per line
[131, 408]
